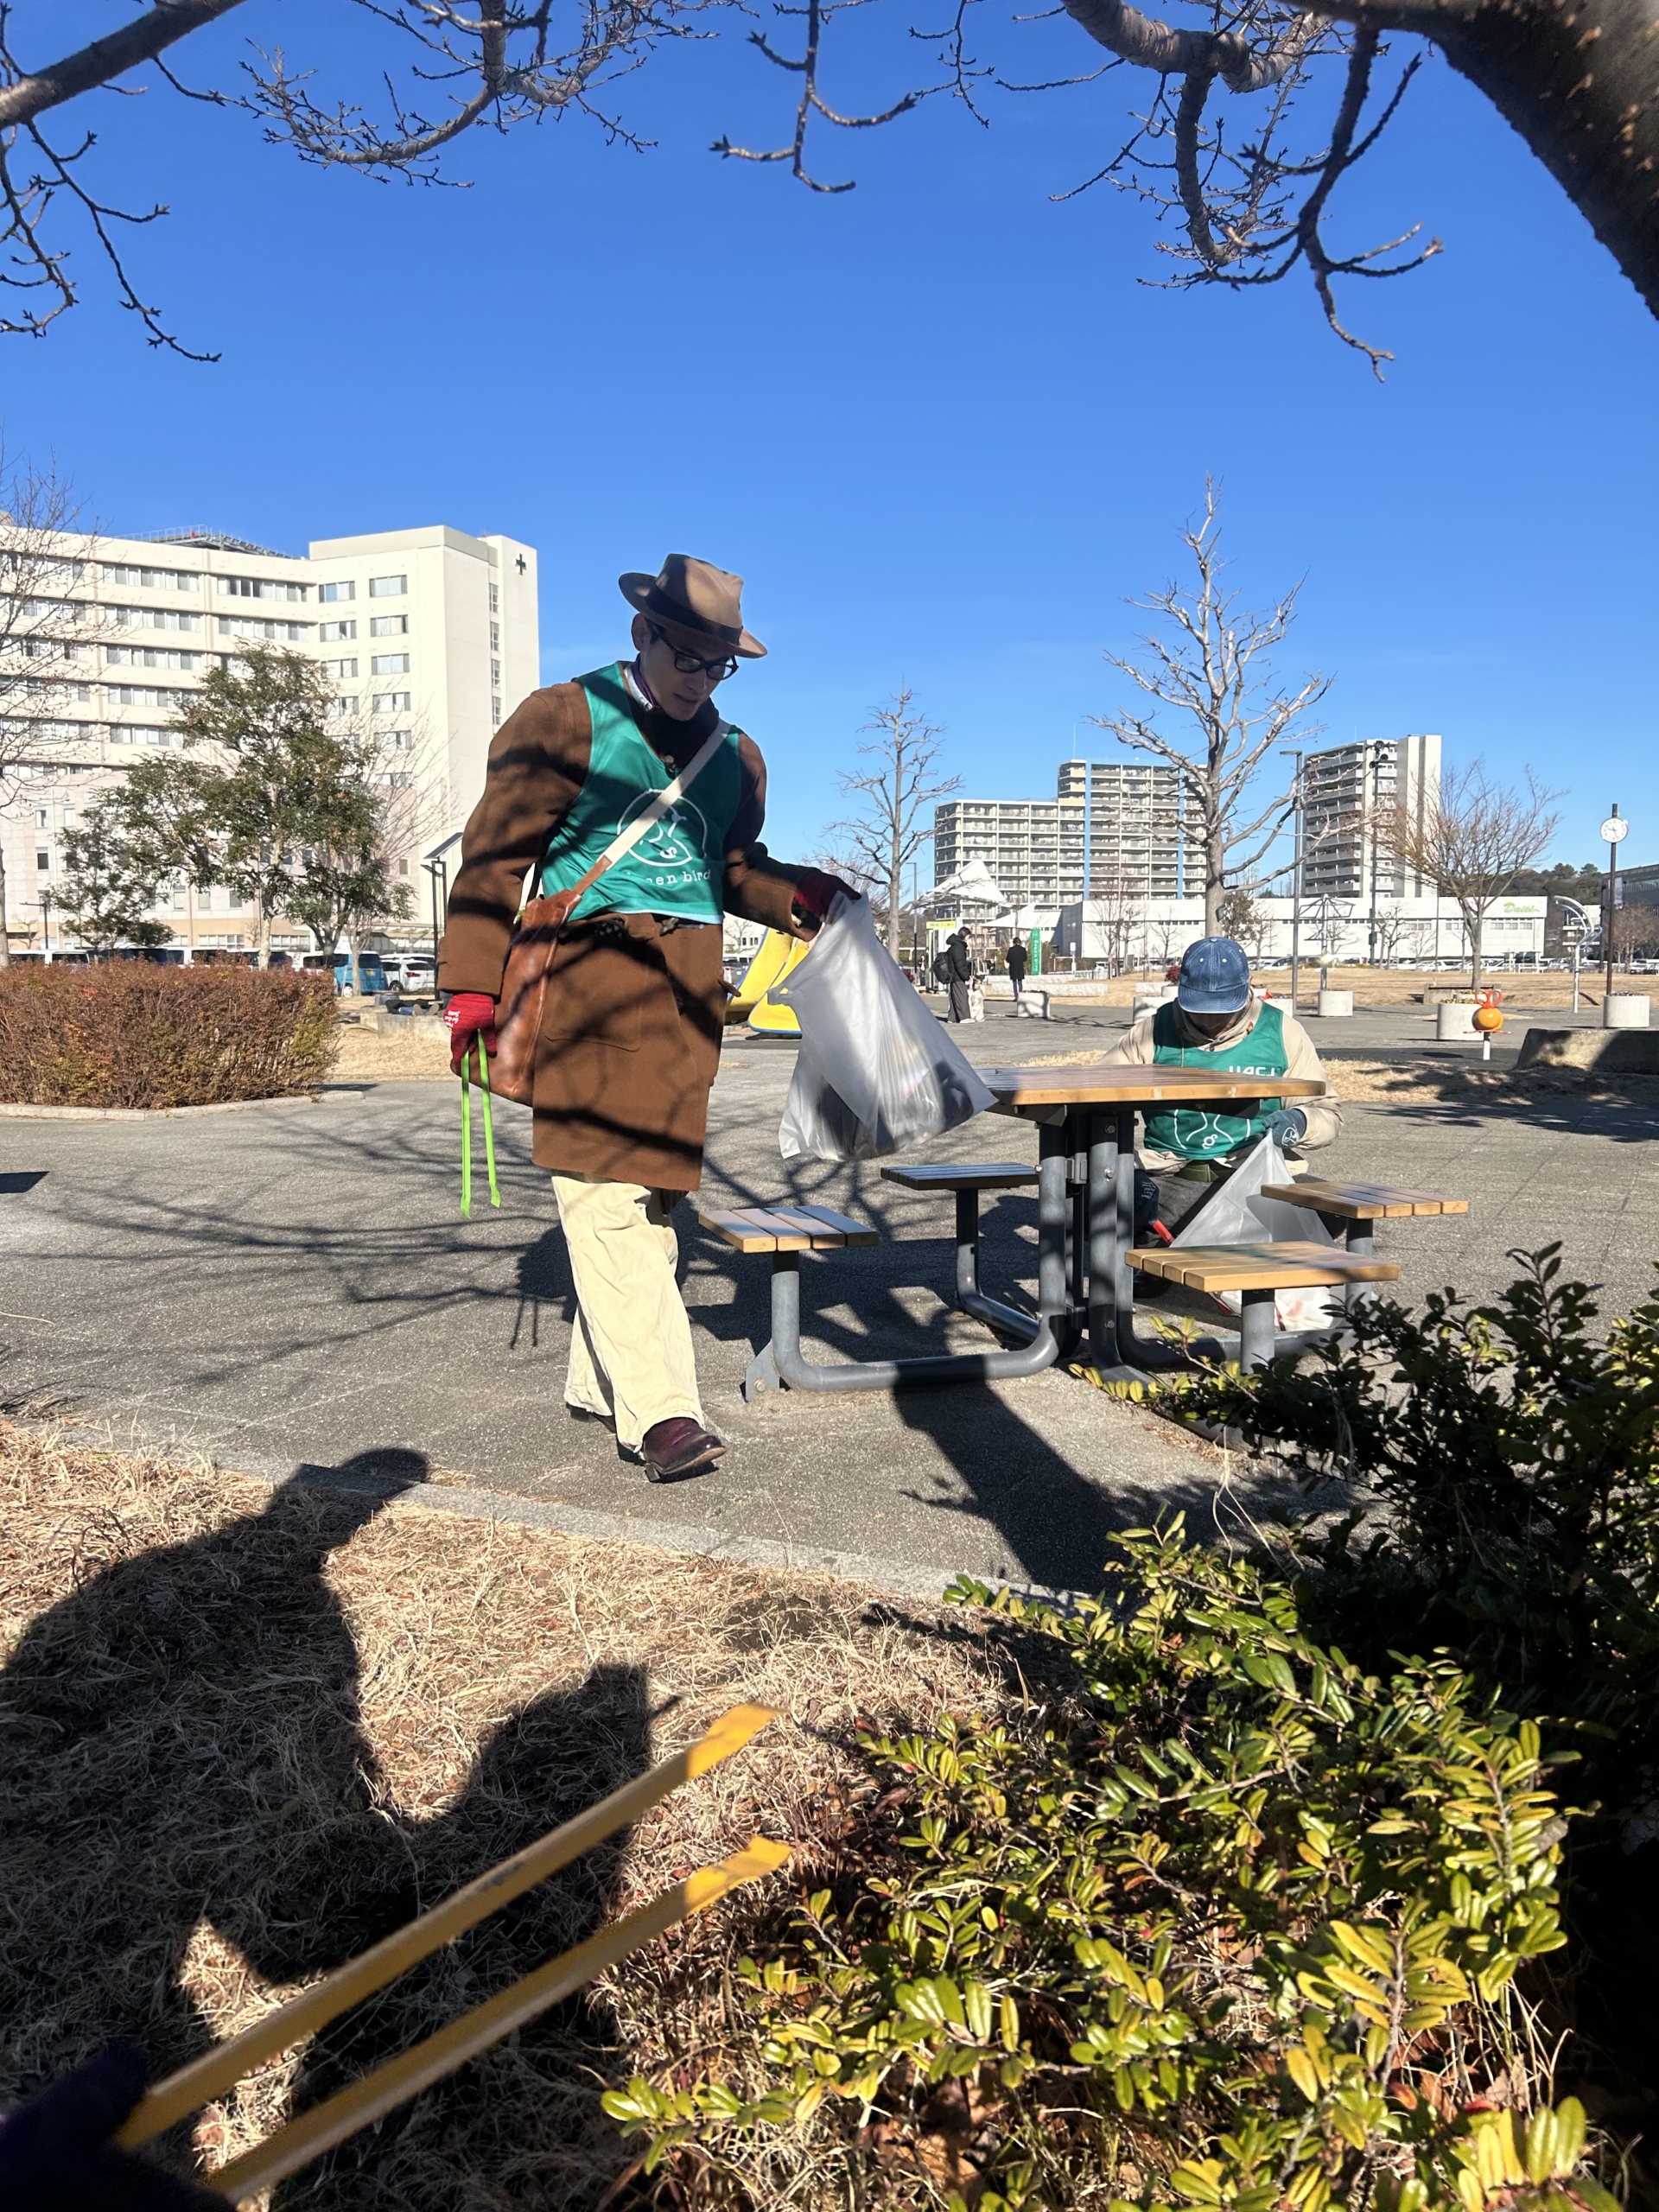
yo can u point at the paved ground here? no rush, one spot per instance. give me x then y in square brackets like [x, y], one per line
[293, 1284]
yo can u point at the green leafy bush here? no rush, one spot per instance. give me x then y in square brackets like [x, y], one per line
[137, 1033]
[1214, 1918]
[1503, 1465]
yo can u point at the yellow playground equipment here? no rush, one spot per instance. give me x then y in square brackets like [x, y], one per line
[778, 959]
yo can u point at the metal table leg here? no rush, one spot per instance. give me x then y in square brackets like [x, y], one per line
[1117, 1353]
[1256, 1345]
[779, 1363]
[1005, 1320]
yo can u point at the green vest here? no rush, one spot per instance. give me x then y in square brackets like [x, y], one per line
[1195, 1133]
[677, 867]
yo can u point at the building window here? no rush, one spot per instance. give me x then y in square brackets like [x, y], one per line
[152, 618]
[42, 818]
[388, 587]
[403, 867]
[330, 633]
[388, 626]
[392, 702]
[150, 657]
[495, 599]
[345, 706]
[340, 668]
[260, 587]
[150, 579]
[331, 595]
[495, 713]
[42, 863]
[388, 664]
[244, 625]
[495, 637]
[399, 741]
[495, 672]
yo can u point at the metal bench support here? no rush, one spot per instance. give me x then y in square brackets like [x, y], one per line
[780, 1363]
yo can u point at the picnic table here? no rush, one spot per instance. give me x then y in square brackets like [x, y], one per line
[1085, 1191]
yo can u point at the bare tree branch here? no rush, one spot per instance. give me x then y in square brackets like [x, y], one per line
[818, 13]
[895, 820]
[24, 95]
[1472, 839]
[1236, 716]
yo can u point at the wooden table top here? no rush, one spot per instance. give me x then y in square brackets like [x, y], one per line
[1017, 1087]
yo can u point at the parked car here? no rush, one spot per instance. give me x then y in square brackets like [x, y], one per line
[412, 971]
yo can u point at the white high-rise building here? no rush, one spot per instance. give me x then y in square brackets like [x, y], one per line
[1348, 791]
[430, 638]
[1119, 820]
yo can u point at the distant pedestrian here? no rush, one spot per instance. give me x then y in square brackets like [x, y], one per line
[958, 966]
[1019, 961]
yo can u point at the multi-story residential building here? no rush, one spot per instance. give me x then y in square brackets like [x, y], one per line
[1348, 792]
[1120, 822]
[1139, 846]
[429, 639]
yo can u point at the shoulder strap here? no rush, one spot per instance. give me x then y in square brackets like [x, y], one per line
[661, 802]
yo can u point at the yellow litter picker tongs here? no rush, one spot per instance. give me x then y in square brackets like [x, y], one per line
[362, 2102]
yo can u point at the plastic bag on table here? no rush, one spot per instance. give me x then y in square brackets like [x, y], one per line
[875, 1071]
[1236, 1213]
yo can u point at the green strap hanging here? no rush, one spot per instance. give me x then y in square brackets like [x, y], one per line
[467, 1128]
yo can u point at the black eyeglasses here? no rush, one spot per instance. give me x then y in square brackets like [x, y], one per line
[688, 664]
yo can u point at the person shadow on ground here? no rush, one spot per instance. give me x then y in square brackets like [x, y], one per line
[183, 1768]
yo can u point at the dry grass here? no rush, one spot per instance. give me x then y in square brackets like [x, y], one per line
[1415, 1082]
[248, 1732]
[364, 1055]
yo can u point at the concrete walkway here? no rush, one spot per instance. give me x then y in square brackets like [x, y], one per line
[296, 1286]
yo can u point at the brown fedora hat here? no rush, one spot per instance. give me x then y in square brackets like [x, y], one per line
[696, 597]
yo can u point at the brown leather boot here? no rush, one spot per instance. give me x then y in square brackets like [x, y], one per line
[675, 1449]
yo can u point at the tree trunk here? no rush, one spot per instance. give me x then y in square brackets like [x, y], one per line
[5, 933]
[1580, 81]
[895, 889]
[1472, 920]
[1215, 867]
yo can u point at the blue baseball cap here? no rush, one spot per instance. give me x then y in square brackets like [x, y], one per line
[1215, 977]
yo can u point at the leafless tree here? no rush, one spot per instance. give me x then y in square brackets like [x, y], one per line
[1472, 840]
[1239, 204]
[895, 817]
[1234, 714]
[49, 621]
[1118, 911]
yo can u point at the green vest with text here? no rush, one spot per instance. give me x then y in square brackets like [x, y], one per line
[1195, 1133]
[679, 866]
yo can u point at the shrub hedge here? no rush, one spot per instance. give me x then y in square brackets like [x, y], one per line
[137, 1033]
[1217, 1919]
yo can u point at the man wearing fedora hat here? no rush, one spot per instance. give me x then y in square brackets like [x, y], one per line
[635, 1000]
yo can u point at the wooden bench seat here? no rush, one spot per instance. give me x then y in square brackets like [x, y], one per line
[982, 1175]
[1254, 1272]
[786, 1228]
[1258, 1266]
[1361, 1201]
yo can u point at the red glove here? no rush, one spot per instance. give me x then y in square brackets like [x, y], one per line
[815, 890]
[467, 1014]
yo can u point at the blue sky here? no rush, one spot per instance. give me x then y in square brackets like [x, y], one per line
[935, 421]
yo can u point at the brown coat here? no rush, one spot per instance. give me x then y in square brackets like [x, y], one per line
[634, 1017]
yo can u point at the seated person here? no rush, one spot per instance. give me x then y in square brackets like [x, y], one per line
[1216, 1020]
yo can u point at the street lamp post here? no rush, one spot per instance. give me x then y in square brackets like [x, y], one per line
[1615, 830]
[46, 925]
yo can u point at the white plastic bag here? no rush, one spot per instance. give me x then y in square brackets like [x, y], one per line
[976, 1003]
[1236, 1213]
[875, 1071]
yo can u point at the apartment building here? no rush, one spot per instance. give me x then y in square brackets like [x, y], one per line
[1118, 822]
[1347, 792]
[428, 638]
[1139, 845]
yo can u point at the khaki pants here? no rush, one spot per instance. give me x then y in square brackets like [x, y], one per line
[631, 1350]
